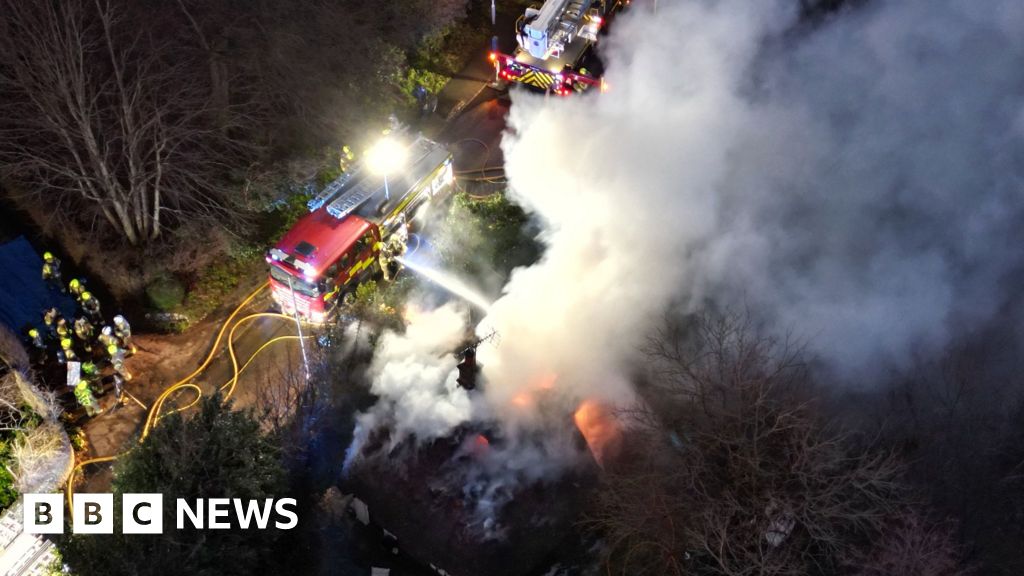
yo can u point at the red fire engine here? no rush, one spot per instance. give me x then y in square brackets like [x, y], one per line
[556, 42]
[355, 225]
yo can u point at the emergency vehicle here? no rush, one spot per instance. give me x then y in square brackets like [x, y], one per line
[355, 223]
[556, 44]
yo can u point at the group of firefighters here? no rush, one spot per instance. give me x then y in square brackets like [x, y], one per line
[78, 345]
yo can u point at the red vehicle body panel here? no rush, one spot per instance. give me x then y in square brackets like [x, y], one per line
[332, 239]
[330, 236]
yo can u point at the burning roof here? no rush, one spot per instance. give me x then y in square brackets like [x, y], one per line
[453, 504]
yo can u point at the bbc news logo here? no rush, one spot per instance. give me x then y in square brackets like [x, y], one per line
[144, 514]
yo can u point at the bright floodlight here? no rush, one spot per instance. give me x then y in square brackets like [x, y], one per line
[387, 156]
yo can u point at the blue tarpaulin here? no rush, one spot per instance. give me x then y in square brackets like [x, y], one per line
[23, 293]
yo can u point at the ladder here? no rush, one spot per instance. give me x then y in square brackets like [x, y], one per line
[332, 189]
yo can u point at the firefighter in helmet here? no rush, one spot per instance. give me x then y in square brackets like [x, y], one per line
[62, 329]
[85, 332]
[106, 338]
[67, 351]
[91, 374]
[123, 332]
[50, 317]
[85, 399]
[346, 158]
[76, 287]
[91, 306]
[578, 85]
[51, 270]
[388, 258]
[35, 338]
[117, 361]
[393, 249]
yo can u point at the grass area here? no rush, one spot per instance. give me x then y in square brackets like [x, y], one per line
[209, 289]
[189, 299]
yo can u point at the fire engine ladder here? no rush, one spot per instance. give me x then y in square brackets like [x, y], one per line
[370, 186]
[561, 19]
[353, 198]
[333, 189]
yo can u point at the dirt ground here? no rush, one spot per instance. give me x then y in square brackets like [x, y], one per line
[161, 361]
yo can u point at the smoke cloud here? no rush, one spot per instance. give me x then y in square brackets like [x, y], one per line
[414, 375]
[858, 182]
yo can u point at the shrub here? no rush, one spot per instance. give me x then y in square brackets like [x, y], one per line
[8, 492]
[165, 293]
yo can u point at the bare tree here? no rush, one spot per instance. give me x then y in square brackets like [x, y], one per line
[911, 545]
[291, 407]
[99, 119]
[728, 471]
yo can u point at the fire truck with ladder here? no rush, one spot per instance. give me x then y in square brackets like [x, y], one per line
[352, 222]
[555, 45]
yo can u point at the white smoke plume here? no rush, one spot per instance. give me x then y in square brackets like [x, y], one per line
[414, 375]
[858, 181]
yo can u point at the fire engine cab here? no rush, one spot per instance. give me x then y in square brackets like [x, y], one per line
[556, 42]
[357, 224]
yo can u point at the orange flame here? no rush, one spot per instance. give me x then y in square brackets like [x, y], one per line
[522, 400]
[546, 381]
[600, 429]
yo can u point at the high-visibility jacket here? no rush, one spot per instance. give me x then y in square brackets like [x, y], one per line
[51, 270]
[83, 329]
[83, 394]
[92, 305]
[107, 340]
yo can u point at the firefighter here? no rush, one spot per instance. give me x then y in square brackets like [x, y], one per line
[91, 306]
[50, 317]
[107, 338]
[35, 338]
[117, 361]
[580, 86]
[385, 259]
[86, 399]
[346, 159]
[62, 329]
[118, 390]
[51, 270]
[67, 351]
[85, 332]
[76, 287]
[123, 331]
[91, 374]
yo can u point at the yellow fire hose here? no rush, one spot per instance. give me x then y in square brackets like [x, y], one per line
[154, 415]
